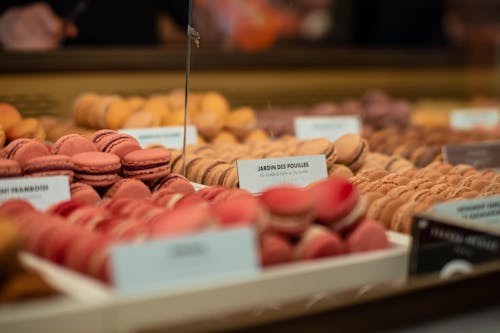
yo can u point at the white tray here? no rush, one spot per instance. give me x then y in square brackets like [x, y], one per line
[92, 307]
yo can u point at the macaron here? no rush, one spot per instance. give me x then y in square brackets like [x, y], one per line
[181, 221]
[23, 150]
[352, 150]
[84, 193]
[13, 207]
[291, 209]
[147, 164]
[319, 146]
[9, 116]
[27, 128]
[333, 199]
[174, 182]
[117, 143]
[352, 219]
[128, 188]
[274, 249]
[9, 168]
[318, 242]
[369, 235]
[96, 168]
[240, 211]
[72, 144]
[340, 170]
[50, 165]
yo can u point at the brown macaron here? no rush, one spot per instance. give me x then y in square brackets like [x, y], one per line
[352, 150]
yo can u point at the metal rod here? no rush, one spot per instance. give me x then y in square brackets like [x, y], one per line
[186, 88]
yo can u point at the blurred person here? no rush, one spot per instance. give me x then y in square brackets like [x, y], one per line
[43, 25]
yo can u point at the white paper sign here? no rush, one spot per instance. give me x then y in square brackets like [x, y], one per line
[257, 175]
[188, 261]
[481, 210]
[170, 136]
[41, 192]
[332, 127]
[470, 118]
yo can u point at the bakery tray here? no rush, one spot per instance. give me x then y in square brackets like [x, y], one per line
[93, 307]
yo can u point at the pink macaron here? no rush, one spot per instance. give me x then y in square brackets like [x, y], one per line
[182, 221]
[72, 144]
[96, 169]
[240, 211]
[367, 236]
[23, 150]
[174, 182]
[147, 164]
[128, 188]
[118, 143]
[291, 209]
[50, 165]
[84, 193]
[274, 249]
[13, 207]
[9, 168]
[318, 242]
[333, 199]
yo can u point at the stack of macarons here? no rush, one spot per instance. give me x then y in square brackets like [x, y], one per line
[209, 112]
[13, 126]
[214, 164]
[326, 219]
[106, 164]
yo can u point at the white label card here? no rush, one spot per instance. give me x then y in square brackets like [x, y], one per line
[332, 127]
[186, 261]
[481, 210]
[471, 118]
[41, 192]
[170, 136]
[257, 175]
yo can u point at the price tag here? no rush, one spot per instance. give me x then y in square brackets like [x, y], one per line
[463, 119]
[331, 128]
[170, 136]
[187, 261]
[448, 246]
[257, 175]
[41, 192]
[484, 155]
[485, 210]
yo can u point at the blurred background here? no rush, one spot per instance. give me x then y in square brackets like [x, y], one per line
[256, 52]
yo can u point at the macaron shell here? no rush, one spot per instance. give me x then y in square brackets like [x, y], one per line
[287, 200]
[96, 168]
[319, 242]
[9, 168]
[23, 150]
[147, 164]
[72, 144]
[369, 235]
[128, 188]
[50, 165]
[274, 249]
[84, 193]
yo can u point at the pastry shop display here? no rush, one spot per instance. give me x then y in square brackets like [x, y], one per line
[78, 233]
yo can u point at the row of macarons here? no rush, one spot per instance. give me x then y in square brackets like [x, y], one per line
[394, 197]
[326, 219]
